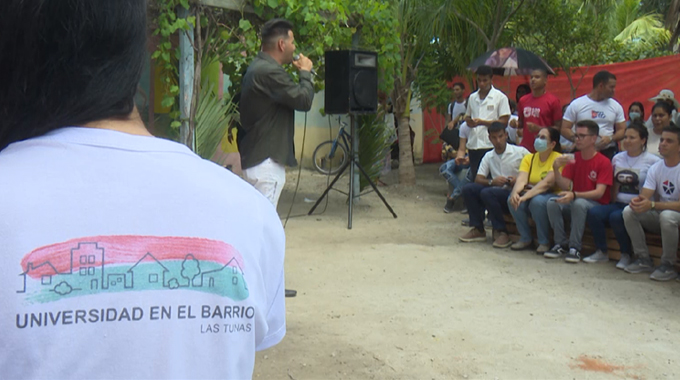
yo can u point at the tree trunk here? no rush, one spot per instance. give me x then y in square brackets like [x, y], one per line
[407, 171]
[402, 103]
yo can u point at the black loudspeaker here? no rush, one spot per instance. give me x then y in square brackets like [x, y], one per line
[351, 82]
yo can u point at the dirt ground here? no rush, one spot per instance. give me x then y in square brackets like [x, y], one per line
[404, 299]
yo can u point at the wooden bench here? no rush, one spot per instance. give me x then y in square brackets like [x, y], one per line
[588, 243]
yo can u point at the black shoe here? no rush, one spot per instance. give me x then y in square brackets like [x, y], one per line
[574, 256]
[449, 205]
[291, 293]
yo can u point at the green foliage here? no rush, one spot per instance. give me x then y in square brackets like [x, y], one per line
[167, 24]
[571, 33]
[213, 116]
[320, 25]
[374, 140]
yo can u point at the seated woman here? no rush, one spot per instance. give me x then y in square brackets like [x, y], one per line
[630, 171]
[636, 111]
[533, 188]
[662, 115]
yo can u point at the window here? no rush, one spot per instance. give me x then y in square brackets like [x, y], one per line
[46, 280]
[153, 278]
[90, 259]
[83, 259]
[234, 280]
[83, 271]
[90, 271]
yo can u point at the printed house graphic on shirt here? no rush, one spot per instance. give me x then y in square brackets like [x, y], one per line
[131, 263]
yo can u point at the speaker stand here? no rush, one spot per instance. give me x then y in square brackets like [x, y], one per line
[351, 164]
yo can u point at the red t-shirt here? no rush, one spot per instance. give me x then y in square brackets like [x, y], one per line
[544, 111]
[587, 174]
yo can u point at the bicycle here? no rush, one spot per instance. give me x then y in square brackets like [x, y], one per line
[330, 156]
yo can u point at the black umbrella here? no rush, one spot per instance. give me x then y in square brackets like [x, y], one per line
[511, 61]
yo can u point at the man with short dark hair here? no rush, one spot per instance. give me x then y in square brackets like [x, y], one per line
[456, 109]
[485, 106]
[493, 183]
[600, 107]
[657, 209]
[585, 180]
[269, 99]
[539, 109]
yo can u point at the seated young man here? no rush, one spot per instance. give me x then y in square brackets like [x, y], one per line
[495, 178]
[586, 181]
[657, 209]
[455, 175]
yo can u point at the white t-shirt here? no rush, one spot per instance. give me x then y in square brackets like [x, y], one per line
[665, 181]
[506, 164]
[606, 113]
[512, 132]
[456, 109]
[492, 107]
[653, 141]
[130, 257]
[630, 173]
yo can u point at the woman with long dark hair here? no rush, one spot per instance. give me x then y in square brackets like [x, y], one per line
[122, 241]
[662, 116]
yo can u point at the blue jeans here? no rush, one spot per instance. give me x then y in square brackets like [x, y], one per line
[479, 198]
[537, 206]
[601, 216]
[455, 175]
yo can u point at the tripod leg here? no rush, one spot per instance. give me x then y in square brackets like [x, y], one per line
[325, 193]
[375, 188]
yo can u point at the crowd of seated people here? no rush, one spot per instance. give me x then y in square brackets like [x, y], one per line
[584, 166]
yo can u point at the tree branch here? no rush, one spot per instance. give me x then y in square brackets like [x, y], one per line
[473, 24]
[499, 30]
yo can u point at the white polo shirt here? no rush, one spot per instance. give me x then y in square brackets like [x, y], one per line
[506, 164]
[492, 107]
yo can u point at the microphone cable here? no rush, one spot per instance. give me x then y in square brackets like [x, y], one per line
[297, 185]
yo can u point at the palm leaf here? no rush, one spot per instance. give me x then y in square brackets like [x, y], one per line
[213, 115]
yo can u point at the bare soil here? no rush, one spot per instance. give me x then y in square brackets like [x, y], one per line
[404, 299]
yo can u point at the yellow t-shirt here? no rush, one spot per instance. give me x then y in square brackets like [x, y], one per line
[540, 169]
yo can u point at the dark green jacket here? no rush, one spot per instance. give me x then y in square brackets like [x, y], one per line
[269, 99]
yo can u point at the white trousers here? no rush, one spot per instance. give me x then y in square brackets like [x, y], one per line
[268, 178]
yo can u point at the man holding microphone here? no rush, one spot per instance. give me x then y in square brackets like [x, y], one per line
[269, 99]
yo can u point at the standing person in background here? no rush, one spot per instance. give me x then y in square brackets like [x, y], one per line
[662, 114]
[534, 187]
[600, 107]
[457, 106]
[657, 209]
[585, 183]
[521, 91]
[538, 110]
[630, 172]
[269, 99]
[110, 228]
[485, 106]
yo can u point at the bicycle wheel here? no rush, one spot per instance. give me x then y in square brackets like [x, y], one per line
[324, 163]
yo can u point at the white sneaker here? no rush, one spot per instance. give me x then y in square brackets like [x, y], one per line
[597, 257]
[623, 261]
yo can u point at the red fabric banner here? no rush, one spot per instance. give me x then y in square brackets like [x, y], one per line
[636, 81]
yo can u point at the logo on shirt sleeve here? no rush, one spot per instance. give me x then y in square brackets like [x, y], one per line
[112, 264]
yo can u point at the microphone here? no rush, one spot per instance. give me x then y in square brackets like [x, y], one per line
[297, 57]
